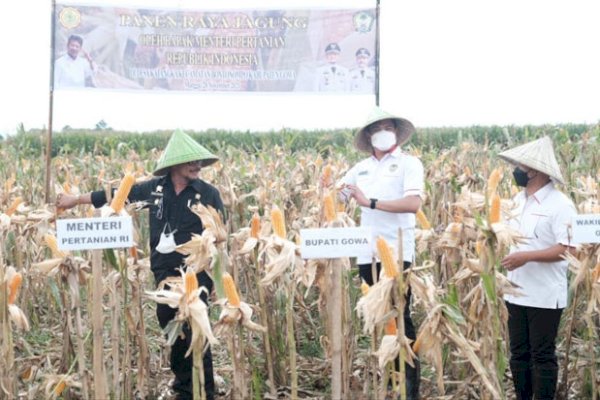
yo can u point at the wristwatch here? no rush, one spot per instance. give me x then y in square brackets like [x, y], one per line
[373, 203]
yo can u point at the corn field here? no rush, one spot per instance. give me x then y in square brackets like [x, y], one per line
[279, 326]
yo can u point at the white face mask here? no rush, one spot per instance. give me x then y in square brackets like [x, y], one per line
[166, 244]
[383, 140]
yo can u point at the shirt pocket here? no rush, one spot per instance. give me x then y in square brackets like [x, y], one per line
[392, 182]
[536, 225]
[542, 231]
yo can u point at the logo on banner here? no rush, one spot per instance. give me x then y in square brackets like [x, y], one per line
[363, 21]
[70, 17]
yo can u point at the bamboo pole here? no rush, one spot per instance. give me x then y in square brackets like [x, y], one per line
[334, 307]
[400, 302]
[100, 389]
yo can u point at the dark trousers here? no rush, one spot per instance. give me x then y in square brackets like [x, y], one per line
[413, 374]
[181, 365]
[532, 332]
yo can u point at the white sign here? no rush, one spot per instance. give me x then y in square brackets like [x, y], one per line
[586, 228]
[94, 233]
[336, 242]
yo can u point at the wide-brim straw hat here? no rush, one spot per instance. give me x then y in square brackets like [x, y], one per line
[182, 149]
[404, 129]
[537, 155]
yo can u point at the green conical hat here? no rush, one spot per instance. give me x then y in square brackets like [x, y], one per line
[181, 149]
[404, 129]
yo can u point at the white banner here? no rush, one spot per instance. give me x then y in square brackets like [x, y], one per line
[94, 233]
[233, 50]
[336, 242]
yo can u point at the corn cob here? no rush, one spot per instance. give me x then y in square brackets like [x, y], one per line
[326, 175]
[255, 226]
[60, 387]
[422, 219]
[390, 267]
[13, 206]
[50, 240]
[390, 327]
[417, 343]
[493, 180]
[495, 209]
[230, 290]
[278, 222]
[13, 287]
[329, 208]
[122, 192]
[364, 288]
[191, 282]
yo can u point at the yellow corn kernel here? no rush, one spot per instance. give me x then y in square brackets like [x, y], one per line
[13, 287]
[493, 181]
[255, 226]
[390, 267]
[390, 327]
[60, 387]
[495, 209]
[230, 290]
[422, 219]
[118, 201]
[52, 244]
[364, 288]
[278, 222]
[329, 208]
[13, 206]
[191, 282]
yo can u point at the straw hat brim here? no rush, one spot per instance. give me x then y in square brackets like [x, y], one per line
[537, 155]
[180, 150]
[404, 130]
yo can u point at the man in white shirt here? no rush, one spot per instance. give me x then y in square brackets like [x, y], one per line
[70, 70]
[388, 186]
[542, 215]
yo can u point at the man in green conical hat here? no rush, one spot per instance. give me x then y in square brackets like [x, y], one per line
[169, 196]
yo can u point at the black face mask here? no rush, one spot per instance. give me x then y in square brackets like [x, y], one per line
[521, 178]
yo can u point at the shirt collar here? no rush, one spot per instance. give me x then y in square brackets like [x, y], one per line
[197, 184]
[543, 192]
[396, 153]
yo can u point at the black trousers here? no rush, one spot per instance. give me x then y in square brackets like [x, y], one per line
[182, 366]
[532, 333]
[413, 374]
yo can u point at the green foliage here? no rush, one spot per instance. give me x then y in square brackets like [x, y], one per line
[77, 141]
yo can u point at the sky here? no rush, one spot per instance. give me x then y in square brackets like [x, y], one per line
[443, 63]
